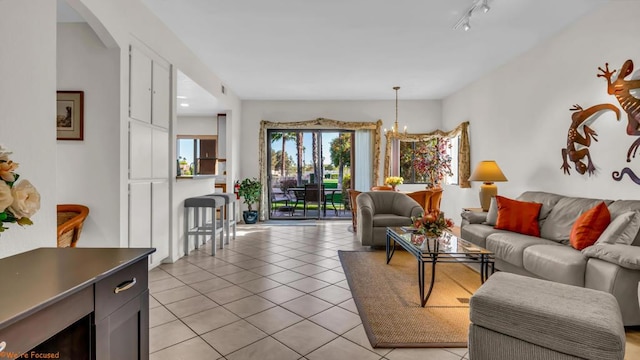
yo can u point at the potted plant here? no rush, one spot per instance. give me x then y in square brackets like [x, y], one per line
[250, 190]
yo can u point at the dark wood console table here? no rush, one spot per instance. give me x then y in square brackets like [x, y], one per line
[75, 303]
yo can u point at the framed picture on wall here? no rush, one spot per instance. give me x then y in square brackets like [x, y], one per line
[70, 115]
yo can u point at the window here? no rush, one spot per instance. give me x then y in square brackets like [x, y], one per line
[431, 162]
[412, 156]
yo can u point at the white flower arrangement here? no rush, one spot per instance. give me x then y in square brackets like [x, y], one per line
[19, 201]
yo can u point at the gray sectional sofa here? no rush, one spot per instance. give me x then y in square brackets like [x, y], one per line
[614, 268]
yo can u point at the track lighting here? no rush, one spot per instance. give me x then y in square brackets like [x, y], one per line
[485, 7]
[464, 21]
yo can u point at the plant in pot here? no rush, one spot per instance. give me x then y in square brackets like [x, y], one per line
[250, 190]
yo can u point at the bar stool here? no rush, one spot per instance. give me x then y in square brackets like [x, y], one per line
[229, 216]
[199, 205]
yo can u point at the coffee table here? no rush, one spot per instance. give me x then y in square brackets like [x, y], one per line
[446, 249]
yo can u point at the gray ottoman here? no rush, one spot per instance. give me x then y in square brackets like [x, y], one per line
[518, 317]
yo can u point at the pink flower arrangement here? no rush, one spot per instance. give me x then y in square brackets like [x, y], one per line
[432, 224]
[18, 201]
[432, 161]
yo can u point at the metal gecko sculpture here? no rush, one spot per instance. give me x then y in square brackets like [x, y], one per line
[621, 89]
[574, 153]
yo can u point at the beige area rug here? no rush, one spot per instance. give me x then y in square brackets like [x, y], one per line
[388, 300]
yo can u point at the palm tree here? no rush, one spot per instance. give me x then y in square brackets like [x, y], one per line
[341, 153]
[300, 150]
[316, 168]
[284, 137]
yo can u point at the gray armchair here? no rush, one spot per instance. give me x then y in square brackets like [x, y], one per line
[379, 209]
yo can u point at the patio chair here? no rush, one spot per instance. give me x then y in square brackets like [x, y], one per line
[277, 198]
[312, 195]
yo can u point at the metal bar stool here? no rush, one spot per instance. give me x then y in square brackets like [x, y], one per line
[229, 216]
[199, 205]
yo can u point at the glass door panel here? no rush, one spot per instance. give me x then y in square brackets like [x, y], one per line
[308, 173]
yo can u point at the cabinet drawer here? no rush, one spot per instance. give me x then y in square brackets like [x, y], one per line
[108, 300]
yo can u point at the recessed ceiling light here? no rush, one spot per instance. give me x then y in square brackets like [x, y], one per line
[184, 104]
[181, 97]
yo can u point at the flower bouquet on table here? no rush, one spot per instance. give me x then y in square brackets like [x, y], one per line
[394, 181]
[18, 200]
[429, 225]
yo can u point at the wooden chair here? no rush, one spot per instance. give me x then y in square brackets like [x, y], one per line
[382, 188]
[422, 197]
[429, 199]
[70, 220]
[353, 194]
[435, 199]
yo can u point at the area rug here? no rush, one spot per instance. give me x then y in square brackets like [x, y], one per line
[388, 300]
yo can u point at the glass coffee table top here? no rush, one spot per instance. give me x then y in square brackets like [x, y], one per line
[447, 248]
[447, 243]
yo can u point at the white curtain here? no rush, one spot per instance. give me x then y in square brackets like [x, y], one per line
[363, 160]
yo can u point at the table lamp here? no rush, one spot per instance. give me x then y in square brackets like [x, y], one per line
[487, 171]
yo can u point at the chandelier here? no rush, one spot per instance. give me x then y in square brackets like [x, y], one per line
[394, 129]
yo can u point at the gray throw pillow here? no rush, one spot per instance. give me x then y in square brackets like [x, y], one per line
[492, 215]
[622, 229]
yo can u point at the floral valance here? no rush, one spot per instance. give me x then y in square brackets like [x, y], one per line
[464, 161]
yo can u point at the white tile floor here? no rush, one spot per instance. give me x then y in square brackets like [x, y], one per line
[277, 292]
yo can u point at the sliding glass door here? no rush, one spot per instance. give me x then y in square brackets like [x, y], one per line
[308, 174]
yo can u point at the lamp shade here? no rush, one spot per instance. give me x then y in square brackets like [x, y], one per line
[487, 171]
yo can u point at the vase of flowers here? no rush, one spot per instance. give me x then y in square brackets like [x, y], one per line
[432, 161]
[430, 225]
[394, 181]
[19, 201]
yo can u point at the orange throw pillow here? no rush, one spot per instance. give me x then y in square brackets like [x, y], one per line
[588, 227]
[518, 216]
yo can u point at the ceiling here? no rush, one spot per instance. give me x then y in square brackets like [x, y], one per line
[359, 49]
[351, 49]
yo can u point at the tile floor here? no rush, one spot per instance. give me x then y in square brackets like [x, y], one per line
[276, 292]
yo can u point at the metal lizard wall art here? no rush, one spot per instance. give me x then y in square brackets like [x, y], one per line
[621, 89]
[577, 144]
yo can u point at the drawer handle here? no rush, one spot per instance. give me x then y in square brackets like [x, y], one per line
[125, 286]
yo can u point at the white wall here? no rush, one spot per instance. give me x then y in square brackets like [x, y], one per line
[87, 170]
[519, 114]
[418, 115]
[27, 112]
[121, 22]
[197, 125]
[186, 188]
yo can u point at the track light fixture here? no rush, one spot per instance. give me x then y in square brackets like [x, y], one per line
[464, 21]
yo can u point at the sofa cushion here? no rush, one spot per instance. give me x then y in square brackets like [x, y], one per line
[622, 229]
[384, 220]
[548, 201]
[623, 255]
[492, 214]
[562, 264]
[621, 206]
[477, 233]
[558, 225]
[510, 246]
[518, 216]
[588, 227]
